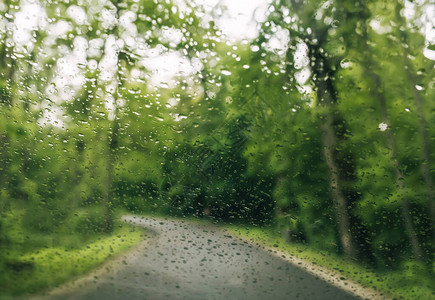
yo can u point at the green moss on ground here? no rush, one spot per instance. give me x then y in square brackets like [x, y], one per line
[44, 268]
[412, 281]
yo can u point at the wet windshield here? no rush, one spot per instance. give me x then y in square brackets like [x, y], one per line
[206, 149]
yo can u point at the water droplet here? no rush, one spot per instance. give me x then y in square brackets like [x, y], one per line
[255, 48]
[383, 126]
[164, 85]
[226, 72]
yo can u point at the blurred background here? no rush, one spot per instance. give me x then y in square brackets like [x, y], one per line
[312, 119]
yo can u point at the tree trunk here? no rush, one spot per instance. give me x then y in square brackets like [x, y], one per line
[108, 190]
[7, 73]
[326, 100]
[4, 179]
[422, 122]
[340, 202]
[391, 143]
[341, 206]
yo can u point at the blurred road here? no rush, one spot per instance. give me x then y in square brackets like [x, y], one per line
[185, 260]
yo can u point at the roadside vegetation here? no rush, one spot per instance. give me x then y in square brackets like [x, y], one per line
[64, 258]
[410, 281]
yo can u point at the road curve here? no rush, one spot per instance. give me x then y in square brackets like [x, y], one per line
[184, 260]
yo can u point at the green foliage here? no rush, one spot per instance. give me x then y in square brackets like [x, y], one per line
[327, 134]
[412, 281]
[37, 270]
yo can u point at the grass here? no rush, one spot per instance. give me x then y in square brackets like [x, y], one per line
[412, 281]
[45, 268]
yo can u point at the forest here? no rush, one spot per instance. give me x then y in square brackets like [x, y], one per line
[319, 128]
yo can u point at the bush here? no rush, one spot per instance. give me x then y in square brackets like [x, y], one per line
[89, 221]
